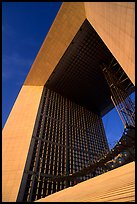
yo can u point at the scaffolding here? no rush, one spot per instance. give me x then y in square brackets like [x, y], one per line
[119, 95]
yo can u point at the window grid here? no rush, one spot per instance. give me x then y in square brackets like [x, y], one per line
[63, 126]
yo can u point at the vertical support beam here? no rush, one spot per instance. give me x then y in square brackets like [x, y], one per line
[30, 153]
[67, 140]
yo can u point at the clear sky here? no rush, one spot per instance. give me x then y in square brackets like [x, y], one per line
[24, 27]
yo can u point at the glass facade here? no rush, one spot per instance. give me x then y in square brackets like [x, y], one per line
[66, 138]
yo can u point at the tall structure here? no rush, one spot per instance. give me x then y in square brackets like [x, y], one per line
[66, 138]
[56, 122]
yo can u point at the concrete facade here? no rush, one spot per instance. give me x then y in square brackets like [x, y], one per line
[16, 138]
[64, 28]
[117, 33]
[115, 23]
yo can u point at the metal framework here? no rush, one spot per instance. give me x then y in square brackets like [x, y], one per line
[116, 80]
[124, 149]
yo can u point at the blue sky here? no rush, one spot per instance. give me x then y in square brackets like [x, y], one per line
[24, 27]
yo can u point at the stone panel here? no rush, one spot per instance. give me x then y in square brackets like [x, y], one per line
[16, 137]
[66, 24]
[115, 23]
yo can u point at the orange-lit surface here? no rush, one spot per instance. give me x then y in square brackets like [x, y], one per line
[19, 126]
[115, 24]
[113, 21]
[117, 185]
[16, 138]
[65, 26]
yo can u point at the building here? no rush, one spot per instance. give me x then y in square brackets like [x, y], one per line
[55, 123]
[67, 137]
[121, 191]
